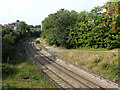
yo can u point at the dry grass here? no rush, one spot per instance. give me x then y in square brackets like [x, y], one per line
[85, 58]
[93, 61]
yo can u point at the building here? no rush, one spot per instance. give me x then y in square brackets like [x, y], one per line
[13, 25]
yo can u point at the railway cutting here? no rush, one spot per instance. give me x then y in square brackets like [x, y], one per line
[64, 74]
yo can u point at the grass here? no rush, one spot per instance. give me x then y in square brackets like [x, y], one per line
[93, 49]
[96, 60]
[24, 75]
[102, 63]
[21, 73]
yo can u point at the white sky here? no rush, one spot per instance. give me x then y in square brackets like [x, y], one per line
[34, 11]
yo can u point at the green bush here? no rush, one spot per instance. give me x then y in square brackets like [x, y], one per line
[37, 42]
[84, 29]
[8, 70]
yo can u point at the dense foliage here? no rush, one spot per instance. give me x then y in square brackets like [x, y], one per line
[10, 39]
[71, 29]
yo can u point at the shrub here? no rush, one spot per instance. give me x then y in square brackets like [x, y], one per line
[8, 70]
[37, 42]
[74, 30]
[116, 69]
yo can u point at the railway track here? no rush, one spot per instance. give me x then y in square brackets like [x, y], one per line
[35, 60]
[77, 77]
[73, 80]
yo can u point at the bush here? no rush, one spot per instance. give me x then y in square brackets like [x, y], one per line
[116, 69]
[8, 70]
[7, 51]
[85, 31]
[37, 42]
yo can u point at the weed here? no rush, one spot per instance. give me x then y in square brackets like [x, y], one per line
[97, 60]
[114, 55]
[8, 70]
[116, 69]
[119, 60]
[92, 66]
[28, 76]
[104, 66]
[5, 86]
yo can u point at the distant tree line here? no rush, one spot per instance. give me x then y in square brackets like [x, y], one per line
[11, 38]
[71, 29]
[36, 26]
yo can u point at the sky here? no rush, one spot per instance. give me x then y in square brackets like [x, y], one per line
[34, 11]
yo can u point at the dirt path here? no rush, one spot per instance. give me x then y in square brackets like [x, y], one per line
[53, 49]
[50, 48]
[108, 51]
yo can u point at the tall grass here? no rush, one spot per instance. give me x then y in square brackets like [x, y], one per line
[21, 73]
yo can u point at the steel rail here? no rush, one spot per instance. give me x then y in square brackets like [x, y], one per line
[62, 70]
[49, 70]
[97, 86]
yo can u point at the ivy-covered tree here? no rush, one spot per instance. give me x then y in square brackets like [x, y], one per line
[84, 29]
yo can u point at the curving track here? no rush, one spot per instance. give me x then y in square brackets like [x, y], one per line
[65, 75]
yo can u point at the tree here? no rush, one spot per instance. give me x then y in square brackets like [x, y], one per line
[37, 26]
[22, 27]
[31, 26]
[55, 26]
[95, 15]
[27, 27]
[84, 29]
[6, 30]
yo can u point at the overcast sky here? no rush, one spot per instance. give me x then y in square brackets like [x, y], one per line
[34, 11]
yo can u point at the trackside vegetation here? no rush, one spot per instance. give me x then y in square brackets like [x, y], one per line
[23, 74]
[87, 31]
[71, 29]
[11, 38]
[17, 71]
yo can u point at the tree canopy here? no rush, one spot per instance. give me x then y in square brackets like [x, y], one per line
[71, 29]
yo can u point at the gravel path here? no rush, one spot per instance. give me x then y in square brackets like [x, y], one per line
[52, 49]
